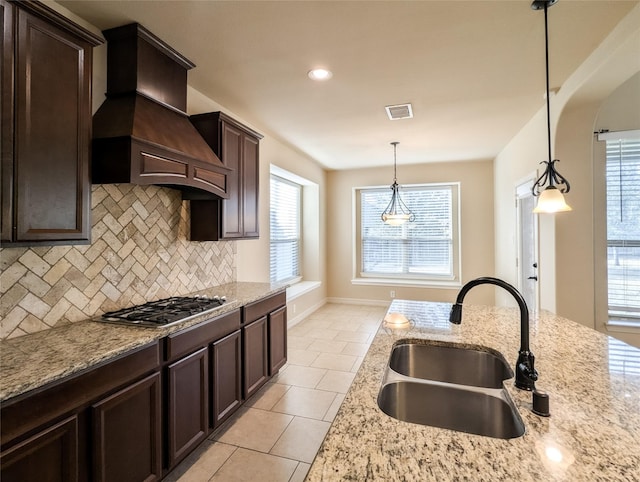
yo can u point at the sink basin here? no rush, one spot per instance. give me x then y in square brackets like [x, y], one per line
[451, 407]
[450, 364]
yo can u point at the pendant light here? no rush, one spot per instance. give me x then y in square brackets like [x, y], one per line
[551, 199]
[397, 212]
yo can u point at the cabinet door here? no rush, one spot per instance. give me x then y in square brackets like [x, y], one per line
[256, 367]
[6, 122]
[250, 185]
[187, 404]
[227, 377]
[126, 434]
[49, 456]
[232, 140]
[277, 340]
[52, 133]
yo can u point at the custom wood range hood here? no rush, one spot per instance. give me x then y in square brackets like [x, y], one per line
[141, 133]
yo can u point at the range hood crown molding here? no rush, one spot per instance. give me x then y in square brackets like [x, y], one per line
[141, 133]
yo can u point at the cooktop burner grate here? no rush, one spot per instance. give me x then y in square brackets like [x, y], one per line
[165, 312]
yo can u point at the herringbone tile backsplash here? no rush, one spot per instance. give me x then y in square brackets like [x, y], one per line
[139, 252]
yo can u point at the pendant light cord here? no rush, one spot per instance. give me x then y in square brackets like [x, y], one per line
[395, 145]
[546, 60]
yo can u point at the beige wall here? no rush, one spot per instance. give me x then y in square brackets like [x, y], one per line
[567, 251]
[476, 191]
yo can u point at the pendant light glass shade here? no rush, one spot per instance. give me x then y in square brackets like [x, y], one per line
[397, 212]
[550, 198]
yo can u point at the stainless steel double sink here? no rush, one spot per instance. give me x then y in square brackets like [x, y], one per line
[450, 386]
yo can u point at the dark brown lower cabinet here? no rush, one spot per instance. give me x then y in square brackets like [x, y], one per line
[277, 340]
[56, 450]
[188, 385]
[135, 417]
[126, 434]
[255, 359]
[226, 370]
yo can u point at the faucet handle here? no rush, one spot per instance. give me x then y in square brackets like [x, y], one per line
[526, 374]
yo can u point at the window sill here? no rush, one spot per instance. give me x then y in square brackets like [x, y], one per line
[406, 282]
[301, 288]
[617, 326]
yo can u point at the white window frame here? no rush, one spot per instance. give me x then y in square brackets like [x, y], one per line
[298, 276]
[415, 280]
[619, 317]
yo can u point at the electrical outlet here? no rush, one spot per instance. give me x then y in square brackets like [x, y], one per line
[392, 294]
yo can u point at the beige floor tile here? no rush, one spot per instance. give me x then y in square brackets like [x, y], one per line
[268, 396]
[255, 429]
[333, 409]
[201, 464]
[300, 376]
[353, 337]
[302, 439]
[327, 346]
[305, 402]
[299, 342]
[247, 465]
[301, 472]
[345, 325]
[296, 356]
[336, 381]
[322, 333]
[318, 324]
[369, 327]
[299, 330]
[333, 361]
[357, 349]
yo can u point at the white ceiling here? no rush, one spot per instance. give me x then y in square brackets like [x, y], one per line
[473, 70]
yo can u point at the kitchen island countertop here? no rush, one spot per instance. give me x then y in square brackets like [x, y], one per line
[593, 433]
[32, 361]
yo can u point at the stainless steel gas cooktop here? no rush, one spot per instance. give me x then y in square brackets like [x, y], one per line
[165, 312]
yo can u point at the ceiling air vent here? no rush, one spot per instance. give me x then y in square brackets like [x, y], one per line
[400, 111]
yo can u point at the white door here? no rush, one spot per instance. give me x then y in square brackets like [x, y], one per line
[527, 245]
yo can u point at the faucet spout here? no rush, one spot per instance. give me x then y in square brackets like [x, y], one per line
[526, 374]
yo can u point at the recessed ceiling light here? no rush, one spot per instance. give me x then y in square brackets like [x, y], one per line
[320, 74]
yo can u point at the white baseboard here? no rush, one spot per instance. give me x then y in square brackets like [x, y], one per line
[291, 322]
[354, 301]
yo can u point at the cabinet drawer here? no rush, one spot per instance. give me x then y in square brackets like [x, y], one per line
[263, 307]
[200, 335]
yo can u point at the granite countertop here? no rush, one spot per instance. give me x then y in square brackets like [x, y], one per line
[32, 361]
[593, 432]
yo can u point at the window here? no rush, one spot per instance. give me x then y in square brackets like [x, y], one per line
[425, 250]
[623, 229]
[285, 230]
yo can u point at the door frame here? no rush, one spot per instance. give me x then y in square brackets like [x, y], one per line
[523, 190]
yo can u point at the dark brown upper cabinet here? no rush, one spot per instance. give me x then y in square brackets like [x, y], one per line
[46, 126]
[237, 147]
